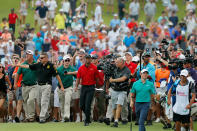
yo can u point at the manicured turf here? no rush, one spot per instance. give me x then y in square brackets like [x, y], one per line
[74, 127]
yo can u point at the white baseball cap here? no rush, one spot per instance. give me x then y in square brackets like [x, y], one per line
[181, 57]
[82, 51]
[165, 27]
[141, 23]
[184, 73]
[115, 14]
[61, 10]
[129, 53]
[144, 70]
[66, 57]
[135, 59]
[30, 52]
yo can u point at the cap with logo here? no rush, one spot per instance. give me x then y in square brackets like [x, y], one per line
[66, 57]
[144, 70]
[30, 52]
[184, 73]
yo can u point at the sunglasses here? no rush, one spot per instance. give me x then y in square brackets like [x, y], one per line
[67, 60]
[41, 58]
[16, 58]
[1, 66]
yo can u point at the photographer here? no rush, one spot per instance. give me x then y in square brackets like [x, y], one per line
[119, 91]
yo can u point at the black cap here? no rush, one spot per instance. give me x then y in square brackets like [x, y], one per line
[146, 54]
[88, 56]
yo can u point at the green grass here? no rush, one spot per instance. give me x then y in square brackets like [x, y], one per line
[74, 127]
[6, 5]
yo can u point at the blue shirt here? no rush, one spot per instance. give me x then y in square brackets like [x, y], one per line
[151, 71]
[143, 91]
[90, 51]
[127, 20]
[38, 43]
[36, 57]
[73, 38]
[114, 22]
[176, 33]
[129, 40]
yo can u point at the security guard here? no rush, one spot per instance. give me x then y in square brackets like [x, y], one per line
[45, 71]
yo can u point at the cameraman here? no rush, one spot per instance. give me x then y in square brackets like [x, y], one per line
[119, 92]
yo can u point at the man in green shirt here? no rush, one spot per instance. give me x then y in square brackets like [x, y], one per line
[29, 90]
[142, 90]
[66, 72]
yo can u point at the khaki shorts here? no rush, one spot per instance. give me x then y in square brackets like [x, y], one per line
[36, 17]
[110, 2]
[90, 1]
[42, 21]
[51, 14]
[101, 1]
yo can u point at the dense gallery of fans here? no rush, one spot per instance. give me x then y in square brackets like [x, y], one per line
[70, 65]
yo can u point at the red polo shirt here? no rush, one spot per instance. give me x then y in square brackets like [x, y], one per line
[88, 74]
[12, 18]
[131, 25]
[132, 67]
[54, 44]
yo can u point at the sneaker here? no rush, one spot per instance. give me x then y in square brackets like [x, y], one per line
[124, 122]
[107, 121]
[10, 120]
[66, 119]
[115, 124]
[31, 120]
[37, 119]
[17, 119]
[149, 123]
[54, 120]
[157, 120]
[136, 123]
[42, 121]
[167, 126]
[101, 120]
[86, 124]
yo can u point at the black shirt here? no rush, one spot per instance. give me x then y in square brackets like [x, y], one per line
[139, 44]
[122, 86]
[42, 11]
[44, 72]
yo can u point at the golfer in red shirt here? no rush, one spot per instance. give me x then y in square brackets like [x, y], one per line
[88, 75]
